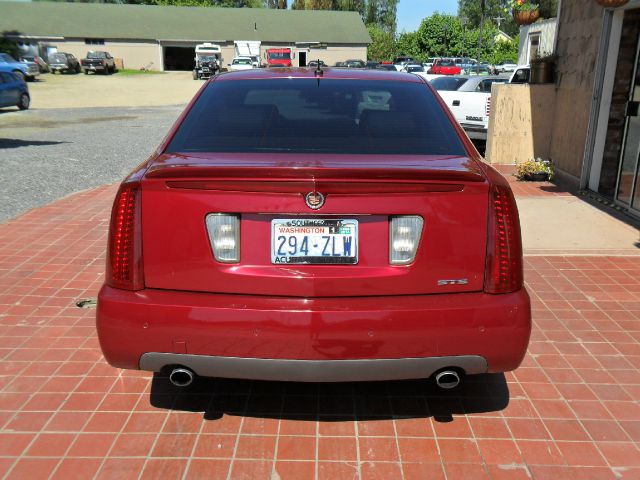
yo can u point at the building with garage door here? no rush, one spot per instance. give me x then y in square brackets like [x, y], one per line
[164, 37]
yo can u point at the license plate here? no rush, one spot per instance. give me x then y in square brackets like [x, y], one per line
[314, 241]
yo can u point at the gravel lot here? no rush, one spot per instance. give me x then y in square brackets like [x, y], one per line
[78, 91]
[48, 154]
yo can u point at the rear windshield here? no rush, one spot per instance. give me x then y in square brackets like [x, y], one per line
[96, 55]
[57, 57]
[448, 84]
[279, 55]
[446, 63]
[325, 116]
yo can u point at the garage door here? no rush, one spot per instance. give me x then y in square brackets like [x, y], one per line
[179, 58]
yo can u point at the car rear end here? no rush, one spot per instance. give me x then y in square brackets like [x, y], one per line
[333, 227]
[95, 62]
[32, 71]
[58, 63]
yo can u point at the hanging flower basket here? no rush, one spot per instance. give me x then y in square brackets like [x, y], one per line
[526, 17]
[612, 3]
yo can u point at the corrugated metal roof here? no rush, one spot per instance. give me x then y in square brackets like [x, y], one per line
[150, 22]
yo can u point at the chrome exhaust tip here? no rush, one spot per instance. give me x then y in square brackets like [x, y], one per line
[181, 377]
[448, 379]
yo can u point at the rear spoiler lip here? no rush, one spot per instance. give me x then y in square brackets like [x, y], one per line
[460, 169]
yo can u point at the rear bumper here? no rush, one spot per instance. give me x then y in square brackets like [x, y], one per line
[313, 370]
[224, 335]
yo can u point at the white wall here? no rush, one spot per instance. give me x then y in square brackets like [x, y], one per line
[547, 31]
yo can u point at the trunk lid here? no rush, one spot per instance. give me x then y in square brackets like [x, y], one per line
[449, 193]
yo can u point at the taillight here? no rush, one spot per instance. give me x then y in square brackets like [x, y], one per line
[224, 235]
[124, 251]
[404, 237]
[504, 246]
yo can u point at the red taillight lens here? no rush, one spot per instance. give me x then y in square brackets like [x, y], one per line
[504, 245]
[124, 251]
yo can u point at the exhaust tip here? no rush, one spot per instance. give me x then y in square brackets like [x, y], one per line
[181, 377]
[448, 379]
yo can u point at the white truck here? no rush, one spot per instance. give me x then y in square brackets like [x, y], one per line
[249, 48]
[469, 99]
[208, 60]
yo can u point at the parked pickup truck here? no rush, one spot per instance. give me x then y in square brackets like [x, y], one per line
[469, 99]
[98, 62]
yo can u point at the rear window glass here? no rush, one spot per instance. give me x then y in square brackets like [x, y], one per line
[326, 116]
[58, 57]
[96, 55]
[446, 63]
[448, 84]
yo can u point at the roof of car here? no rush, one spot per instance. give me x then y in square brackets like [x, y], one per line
[328, 72]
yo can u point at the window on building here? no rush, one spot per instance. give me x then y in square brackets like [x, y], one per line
[94, 41]
[534, 45]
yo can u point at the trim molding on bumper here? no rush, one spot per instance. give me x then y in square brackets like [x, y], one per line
[313, 370]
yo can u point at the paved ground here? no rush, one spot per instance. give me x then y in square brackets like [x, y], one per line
[80, 91]
[47, 154]
[557, 220]
[570, 412]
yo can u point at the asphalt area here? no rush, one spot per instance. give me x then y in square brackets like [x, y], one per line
[571, 411]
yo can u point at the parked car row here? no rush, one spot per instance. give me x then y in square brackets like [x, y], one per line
[30, 66]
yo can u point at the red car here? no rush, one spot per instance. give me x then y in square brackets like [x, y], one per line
[315, 225]
[444, 66]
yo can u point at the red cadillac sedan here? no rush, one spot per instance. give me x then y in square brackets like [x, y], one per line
[316, 226]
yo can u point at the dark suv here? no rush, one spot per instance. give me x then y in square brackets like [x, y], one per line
[63, 63]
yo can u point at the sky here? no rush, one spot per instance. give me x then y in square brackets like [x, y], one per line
[411, 12]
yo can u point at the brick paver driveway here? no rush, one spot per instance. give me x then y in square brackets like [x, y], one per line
[571, 410]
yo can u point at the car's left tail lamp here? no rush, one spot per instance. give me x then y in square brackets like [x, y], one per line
[224, 235]
[124, 251]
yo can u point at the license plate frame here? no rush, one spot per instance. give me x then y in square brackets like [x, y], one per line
[317, 229]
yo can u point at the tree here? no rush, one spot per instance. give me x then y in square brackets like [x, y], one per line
[383, 43]
[500, 9]
[320, 5]
[351, 6]
[442, 35]
[446, 36]
[8, 46]
[408, 44]
[382, 13]
[495, 9]
[505, 51]
[298, 5]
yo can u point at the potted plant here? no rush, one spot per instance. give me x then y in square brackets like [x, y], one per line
[525, 12]
[534, 170]
[542, 68]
